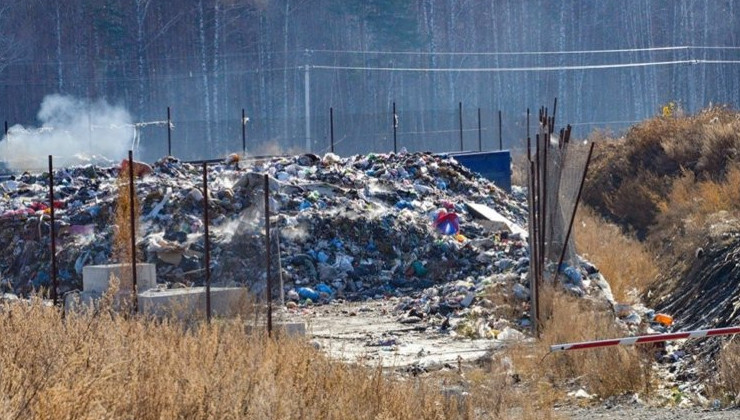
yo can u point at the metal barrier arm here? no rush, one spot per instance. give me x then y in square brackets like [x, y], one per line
[655, 338]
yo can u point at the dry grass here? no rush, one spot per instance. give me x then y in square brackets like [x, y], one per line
[629, 177]
[108, 366]
[726, 387]
[605, 372]
[682, 221]
[624, 261]
[537, 379]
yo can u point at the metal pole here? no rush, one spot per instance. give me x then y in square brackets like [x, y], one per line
[500, 137]
[307, 105]
[461, 125]
[132, 215]
[535, 314]
[244, 133]
[169, 132]
[54, 282]
[545, 211]
[573, 216]
[7, 141]
[394, 121]
[527, 124]
[480, 134]
[267, 255]
[331, 127]
[207, 242]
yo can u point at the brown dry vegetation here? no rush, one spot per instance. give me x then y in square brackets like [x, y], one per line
[605, 372]
[624, 261]
[109, 366]
[631, 176]
[726, 385]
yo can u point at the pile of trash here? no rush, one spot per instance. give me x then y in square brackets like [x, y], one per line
[414, 225]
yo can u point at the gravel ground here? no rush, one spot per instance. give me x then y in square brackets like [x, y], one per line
[643, 412]
[369, 332]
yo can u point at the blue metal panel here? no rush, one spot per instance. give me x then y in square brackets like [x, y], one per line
[494, 166]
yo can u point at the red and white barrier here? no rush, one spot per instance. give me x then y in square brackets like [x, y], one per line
[655, 338]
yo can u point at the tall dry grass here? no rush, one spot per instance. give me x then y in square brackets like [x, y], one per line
[726, 385]
[630, 176]
[605, 372]
[624, 261]
[90, 366]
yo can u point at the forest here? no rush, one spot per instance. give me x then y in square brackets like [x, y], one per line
[293, 64]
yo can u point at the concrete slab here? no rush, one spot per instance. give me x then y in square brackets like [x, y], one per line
[290, 329]
[96, 278]
[188, 302]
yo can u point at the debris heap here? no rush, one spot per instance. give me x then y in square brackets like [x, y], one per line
[416, 225]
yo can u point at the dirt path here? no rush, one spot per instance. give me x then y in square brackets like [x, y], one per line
[370, 332]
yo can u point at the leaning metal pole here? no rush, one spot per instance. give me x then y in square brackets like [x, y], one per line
[573, 216]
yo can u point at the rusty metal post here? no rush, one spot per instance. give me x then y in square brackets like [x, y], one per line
[244, 133]
[331, 127]
[267, 255]
[480, 134]
[394, 121]
[573, 216]
[533, 263]
[207, 242]
[545, 177]
[500, 137]
[169, 132]
[132, 215]
[461, 125]
[54, 282]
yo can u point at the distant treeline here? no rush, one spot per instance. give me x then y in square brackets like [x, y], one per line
[208, 59]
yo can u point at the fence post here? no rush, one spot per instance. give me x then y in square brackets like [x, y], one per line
[207, 242]
[132, 215]
[394, 121]
[500, 137]
[480, 134]
[169, 132]
[54, 282]
[267, 255]
[459, 107]
[331, 127]
[244, 133]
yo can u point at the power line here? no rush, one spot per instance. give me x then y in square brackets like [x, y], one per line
[567, 52]
[525, 69]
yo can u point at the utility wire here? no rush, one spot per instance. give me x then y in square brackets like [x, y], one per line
[526, 69]
[566, 52]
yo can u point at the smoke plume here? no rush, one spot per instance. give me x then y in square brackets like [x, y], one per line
[74, 131]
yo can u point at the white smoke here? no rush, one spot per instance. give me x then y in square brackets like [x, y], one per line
[74, 131]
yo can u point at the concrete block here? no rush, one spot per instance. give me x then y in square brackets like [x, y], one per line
[95, 278]
[290, 329]
[187, 302]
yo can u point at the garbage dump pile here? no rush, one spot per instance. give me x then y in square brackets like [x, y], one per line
[708, 296]
[366, 226]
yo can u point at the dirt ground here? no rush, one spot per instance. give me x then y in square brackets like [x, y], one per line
[370, 333]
